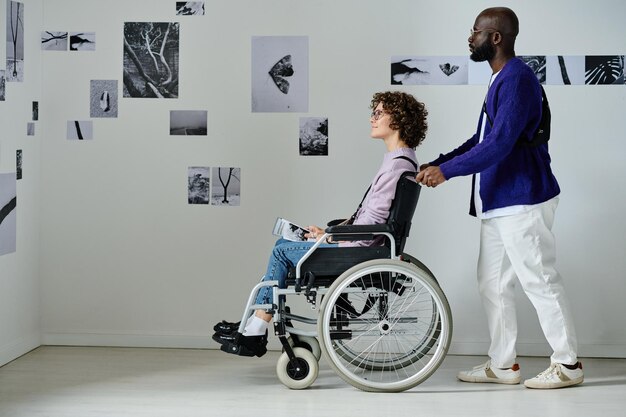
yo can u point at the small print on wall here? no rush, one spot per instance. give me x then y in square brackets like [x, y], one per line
[3, 84]
[565, 70]
[151, 72]
[433, 70]
[30, 129]
[103, 98]
[188, 122]
[314, 136]
[604, 69]
[15, 41]
[54, 41]
[538, 64]
[190, 8]
[226, 186]
[18, 164]
[8, 215]
[198, 185]
[79, 130]
[35, 111]
[280, 74]
[82, 41]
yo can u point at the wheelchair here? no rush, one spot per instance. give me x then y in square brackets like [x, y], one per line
[383, 323]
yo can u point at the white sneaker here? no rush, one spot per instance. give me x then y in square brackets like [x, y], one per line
[485, 373]
[556, 376]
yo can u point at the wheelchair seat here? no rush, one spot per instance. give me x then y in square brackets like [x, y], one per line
[325, 264]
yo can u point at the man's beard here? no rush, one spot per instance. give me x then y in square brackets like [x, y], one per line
[483, 52]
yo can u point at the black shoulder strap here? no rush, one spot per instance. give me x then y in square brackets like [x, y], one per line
[370, 187]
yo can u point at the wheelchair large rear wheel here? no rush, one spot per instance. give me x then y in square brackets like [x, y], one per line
[385, 325]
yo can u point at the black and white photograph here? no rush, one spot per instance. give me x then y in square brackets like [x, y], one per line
[314, 136]
[604, 69]
[565, 70]
[3, 86]
[18, 164]
[15, 41]
[35, 111]
[8, 215]
[190, 8]
[151, 53]
[198, 185]
[288, 230]
[103, 98]
[30, 129]
[432, 70]
[188, 122]
[54, 41]
[538, 64]
[226, 186]
[79, 130]
[82, 41]
[280, 74]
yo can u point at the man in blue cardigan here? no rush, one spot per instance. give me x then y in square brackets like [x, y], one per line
[515, 195]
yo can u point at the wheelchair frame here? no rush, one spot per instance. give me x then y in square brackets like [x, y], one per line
[297, 367]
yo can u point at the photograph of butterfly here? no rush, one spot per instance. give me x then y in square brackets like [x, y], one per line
[280, 74]
[279, 71]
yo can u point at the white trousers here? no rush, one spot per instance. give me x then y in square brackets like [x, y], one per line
[522, 246]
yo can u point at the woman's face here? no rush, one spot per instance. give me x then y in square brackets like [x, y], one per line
[379, 121]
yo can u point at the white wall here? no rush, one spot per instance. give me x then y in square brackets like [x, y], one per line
[19, 271]
[124, 259]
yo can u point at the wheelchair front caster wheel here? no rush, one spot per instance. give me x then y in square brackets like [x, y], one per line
[299, 373]
[310, 343]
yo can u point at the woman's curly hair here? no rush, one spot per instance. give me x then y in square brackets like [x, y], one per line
[408, 115]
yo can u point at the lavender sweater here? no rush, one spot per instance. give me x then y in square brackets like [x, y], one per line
[510, 174]
[377, 203]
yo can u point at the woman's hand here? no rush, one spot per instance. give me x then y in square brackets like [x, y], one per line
[315, 233]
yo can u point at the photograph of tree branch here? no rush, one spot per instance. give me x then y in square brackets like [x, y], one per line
[151, 60]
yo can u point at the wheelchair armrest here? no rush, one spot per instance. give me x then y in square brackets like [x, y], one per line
[352, 232]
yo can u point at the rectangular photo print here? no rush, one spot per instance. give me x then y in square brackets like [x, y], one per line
[15, 41]
[226, 186]
[8, 213]
[3, 86]
[433, 70]
[82, 41]
[103, 98]
[18, 164]
[604, 69]
[280, 74]
[188, 122]
[79, 130]
[54, 41]
[198, 185]
[314, 136]
[151, 53]
[35, 111]
[538, 64]
[30, 129]
[565, 70]
[189, 8]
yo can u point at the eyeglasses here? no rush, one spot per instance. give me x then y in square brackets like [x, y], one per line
[473, 31]
[377, 114]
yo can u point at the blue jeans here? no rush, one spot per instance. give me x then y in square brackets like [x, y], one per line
[285, 255]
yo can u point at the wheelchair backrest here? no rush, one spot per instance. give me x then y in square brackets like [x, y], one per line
[403, 208]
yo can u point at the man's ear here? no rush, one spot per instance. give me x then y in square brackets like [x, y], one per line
[497, 38]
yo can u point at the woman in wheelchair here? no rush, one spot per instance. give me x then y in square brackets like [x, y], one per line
[399, 120]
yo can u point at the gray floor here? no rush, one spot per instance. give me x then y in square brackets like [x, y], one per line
[111, 382]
